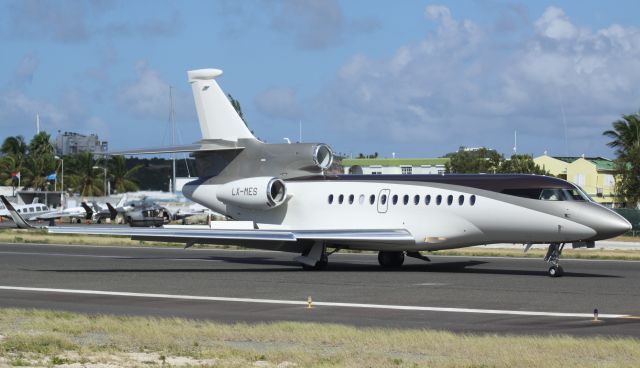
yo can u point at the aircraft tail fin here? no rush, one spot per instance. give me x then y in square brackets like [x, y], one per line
[112, 211]
[218, 118]
[88, 210]
[122, 201]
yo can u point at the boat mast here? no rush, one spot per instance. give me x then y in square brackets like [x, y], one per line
[173, 141]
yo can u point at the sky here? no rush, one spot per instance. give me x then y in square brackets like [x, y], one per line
[410, 78]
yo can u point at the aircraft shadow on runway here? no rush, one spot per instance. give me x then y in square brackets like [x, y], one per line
[467, 266]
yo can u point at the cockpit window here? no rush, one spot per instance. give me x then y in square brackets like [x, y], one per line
[549, 194]
[563, 195]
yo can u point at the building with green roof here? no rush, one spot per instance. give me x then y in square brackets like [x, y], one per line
[407, 166]
[596, 175]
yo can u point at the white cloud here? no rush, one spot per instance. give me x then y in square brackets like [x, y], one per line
[458, 86]
[147, 97]
[26, 69]
[78, 21]
[279, 103]
[311, 24]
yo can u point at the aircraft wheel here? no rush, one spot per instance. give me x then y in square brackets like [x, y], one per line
[555, 271]
[391, 259]
[78, 221]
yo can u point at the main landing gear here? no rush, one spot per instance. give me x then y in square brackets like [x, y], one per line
[316, 258]
[553, 259]
[395, 259]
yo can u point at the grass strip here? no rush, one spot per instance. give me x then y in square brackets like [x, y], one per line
[48, 338]
[42, 237]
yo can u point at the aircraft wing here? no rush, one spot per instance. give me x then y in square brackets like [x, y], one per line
[248, 238]
[199, 235]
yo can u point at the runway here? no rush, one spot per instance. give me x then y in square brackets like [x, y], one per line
[480, 295]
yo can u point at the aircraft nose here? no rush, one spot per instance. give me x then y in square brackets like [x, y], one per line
[613, 225]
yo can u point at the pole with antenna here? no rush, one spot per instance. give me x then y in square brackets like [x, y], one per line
[515, 142]
[300, 130]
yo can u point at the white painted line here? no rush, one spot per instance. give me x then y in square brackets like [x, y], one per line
[315, 303]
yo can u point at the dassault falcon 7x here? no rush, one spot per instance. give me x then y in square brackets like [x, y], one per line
[281, 198]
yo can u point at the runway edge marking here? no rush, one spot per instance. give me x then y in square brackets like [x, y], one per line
[315, 303]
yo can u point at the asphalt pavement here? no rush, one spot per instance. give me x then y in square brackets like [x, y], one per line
[480, 295]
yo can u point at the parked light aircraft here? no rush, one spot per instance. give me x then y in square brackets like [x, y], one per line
[282, 199]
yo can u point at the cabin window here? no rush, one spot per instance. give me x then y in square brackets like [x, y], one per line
[38, 208]
[438, 199]
[416, 199]
[361, 199]
[449, 200]
[427, 199]
[18, 210]
[405, 199]
[340, 199]
[472, 200]
[31, 209]
[461, 200]
[351, 198]
[383, 199]
[330, 198]
[372, 199]
[394, 199]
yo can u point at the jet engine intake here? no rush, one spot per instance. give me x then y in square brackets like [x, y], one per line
[322, 156]
[260, 193]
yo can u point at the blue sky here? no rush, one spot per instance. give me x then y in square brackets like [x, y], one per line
[417, 78]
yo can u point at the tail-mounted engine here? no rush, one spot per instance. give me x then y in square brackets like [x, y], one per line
[260, 193]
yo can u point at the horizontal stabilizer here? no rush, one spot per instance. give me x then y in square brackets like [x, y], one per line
[209, 145]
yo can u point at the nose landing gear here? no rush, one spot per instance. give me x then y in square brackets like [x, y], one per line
[553, 259]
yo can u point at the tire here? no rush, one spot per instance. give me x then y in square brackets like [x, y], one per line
[555, 271]
[391, 259]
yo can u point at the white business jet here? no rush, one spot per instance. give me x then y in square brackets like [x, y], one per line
[282, 199]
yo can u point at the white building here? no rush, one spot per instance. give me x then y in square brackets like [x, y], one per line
[380, 166]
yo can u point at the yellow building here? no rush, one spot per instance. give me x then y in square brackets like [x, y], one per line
[596, 175]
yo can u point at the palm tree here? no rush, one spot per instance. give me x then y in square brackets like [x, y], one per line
[40, 161]
[14, 146]
[85, 178]
[625, 138]
[121, 177]
[15, 151]
[625, 134]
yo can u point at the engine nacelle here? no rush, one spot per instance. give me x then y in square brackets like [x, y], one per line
[260, 193]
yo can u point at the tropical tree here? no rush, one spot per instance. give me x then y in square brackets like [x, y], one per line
[480, 160]
[625, 138]
[14, 146]
[84, 177]
[121, 177]
[40, 161]
[14, 151]
[521, 164]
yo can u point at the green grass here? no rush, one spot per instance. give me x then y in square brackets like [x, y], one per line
[46, 338]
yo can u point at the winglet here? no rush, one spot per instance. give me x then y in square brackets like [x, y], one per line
[19, 221]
